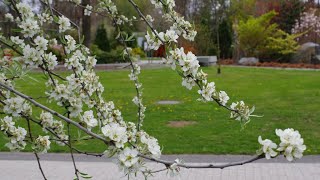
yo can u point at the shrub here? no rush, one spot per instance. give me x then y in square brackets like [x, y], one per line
[102, 39]
[138, 52]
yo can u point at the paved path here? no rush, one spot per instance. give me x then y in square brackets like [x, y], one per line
[58, 166]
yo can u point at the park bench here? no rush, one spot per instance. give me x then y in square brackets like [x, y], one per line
[207, 60]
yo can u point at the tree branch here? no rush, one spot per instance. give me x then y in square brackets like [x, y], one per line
[35, 153]
[55, 113]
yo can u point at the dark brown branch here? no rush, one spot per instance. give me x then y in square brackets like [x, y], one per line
[76, 171]
[192, 166]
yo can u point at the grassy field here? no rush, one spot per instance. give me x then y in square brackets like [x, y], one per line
[285, 98]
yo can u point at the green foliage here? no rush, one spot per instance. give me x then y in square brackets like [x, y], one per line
[103, 57]
[253, 33]
[102, 39]
[138, 52]
[282, 43]
[242, 9]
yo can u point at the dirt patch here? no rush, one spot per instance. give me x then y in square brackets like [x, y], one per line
[168, 102]
[178, 124]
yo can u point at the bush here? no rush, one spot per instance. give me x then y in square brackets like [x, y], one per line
[102, 39]
[253, 33]
[103, 57]
[138, 52]
[281, 46]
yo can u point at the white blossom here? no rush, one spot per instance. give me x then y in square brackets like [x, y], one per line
[45, 18]
[9, 17]
[17, 136]
[46, 120]
[89, 119]
[41, 43]
[151, 143]
[64, 24]
[88, 10]
[223, 97]
[15, 106]
[268, 147]
[208, 91]
[6, 123]
[16, 40]
[116, 133]
[174, 169]
[171, 36]
[291, 143]
[51, 60]
[128, 157]
[149, 18]
[71, 44]
[29, 27]
[243, 111]
[153, 40]
[188, 82]
[42, 144]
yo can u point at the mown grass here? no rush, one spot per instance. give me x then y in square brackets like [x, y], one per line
[285, 98]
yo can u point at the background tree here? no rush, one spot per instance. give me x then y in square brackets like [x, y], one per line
[254, 32]
[101, 39]
[239, 10]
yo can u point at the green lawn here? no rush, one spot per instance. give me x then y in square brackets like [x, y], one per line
[285, 98]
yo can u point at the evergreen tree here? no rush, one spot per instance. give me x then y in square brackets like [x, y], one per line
[102, 39]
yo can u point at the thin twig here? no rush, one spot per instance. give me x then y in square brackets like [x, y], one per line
[71, 152]
[66, 141]
[35, 153]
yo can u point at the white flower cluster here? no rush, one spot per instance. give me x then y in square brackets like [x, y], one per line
[107, 113]
[6, 81]
[115, 133]
[268, 147]
[89, 119]
[47, 121]
[16, 105]
[149, 145]
[170, 4]
[128, 158]
[42, 144]
[137, 100]
[108, 5]
[180, 26]
[155, 40]
[308, 22]
[243, 112]
[88, 10]
[28, 22]
[45, 18]
[34, 54]
[9, 17]
[208, 91]
[291, 145]
[64, 24]
[174, 169]
[16, 135]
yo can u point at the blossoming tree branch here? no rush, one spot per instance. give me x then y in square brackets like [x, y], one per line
[79, 94]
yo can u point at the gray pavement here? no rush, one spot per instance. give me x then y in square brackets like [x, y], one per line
[18, 166]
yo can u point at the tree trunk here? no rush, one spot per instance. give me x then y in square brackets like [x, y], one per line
[86, 25]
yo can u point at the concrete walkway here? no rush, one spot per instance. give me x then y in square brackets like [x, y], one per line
[16, 166]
